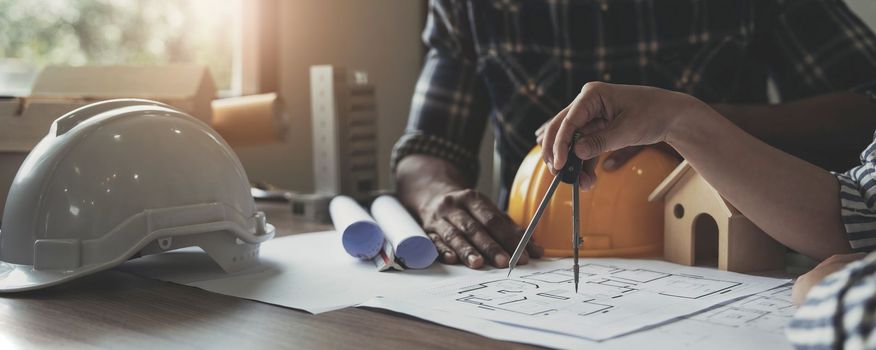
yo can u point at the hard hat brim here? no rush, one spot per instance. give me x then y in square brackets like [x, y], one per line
[20, 278]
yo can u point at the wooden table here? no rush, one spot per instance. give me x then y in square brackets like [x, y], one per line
[112, 309]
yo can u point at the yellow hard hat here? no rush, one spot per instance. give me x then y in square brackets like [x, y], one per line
[616, 217]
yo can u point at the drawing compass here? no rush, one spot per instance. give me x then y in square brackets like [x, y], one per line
[568, 174]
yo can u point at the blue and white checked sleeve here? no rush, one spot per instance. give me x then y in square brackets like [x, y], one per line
[839, 312]
[449, 109]
[858, 202]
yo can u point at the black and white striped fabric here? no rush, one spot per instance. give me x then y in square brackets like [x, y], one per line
[839, 312]
[858, 201]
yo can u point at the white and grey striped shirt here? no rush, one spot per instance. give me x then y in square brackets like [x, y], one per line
[858, 201]
[840, 312]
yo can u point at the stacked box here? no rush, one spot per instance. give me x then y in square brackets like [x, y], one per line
[344, 112]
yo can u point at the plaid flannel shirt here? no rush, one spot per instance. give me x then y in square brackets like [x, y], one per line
[519, 62]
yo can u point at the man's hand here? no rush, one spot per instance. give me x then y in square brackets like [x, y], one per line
[467, 224]
[464, 224]
[804, 283]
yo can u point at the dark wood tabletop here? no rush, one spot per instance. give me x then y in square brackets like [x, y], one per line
[113, 309]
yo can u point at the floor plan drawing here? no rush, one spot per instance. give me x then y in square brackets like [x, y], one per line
[757, 321]
[639, 275]
[618, 281]
[616, 296]
[768, 311]
[509, 295]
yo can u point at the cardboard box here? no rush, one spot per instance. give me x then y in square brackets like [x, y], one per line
[24, 121]
[189, 88]
[10, 105]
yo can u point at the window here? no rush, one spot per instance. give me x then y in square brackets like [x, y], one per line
[37, 33]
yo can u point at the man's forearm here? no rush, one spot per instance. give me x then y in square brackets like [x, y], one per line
[827, 130]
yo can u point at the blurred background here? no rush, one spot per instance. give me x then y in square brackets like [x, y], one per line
[250, 47]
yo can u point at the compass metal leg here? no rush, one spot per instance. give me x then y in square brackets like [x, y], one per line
[576, 226]
[521, 246]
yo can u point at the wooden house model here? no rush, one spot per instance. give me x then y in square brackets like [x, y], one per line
[702, 228]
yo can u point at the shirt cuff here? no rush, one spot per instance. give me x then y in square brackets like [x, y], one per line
[419, 143]
[858, 219]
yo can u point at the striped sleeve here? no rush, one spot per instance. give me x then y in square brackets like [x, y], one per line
[839, 312]
[858, 202]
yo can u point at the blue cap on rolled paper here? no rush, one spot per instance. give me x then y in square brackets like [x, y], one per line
[412, 247]
[416, 252]
[360, 234]
[362, 239]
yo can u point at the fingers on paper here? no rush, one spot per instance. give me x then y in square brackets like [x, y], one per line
[447, 255]
[456, 240]
[478, 236]
[499, 226]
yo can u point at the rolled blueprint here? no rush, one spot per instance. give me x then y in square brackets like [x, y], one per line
[412, 247]
[360, 235]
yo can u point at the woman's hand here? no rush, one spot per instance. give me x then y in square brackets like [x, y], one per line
[610, 117]
[791, 200]
[830, 265]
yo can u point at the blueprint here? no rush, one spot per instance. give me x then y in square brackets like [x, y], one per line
[616, 296]
[758, 321]
[312, 272]
[767, 312]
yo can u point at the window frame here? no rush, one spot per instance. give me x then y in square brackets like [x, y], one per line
[255, 68]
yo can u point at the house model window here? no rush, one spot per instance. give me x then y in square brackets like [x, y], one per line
[702, 228]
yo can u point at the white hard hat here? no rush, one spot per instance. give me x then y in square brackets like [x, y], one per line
[122, 178]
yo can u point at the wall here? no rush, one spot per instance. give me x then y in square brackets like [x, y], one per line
[866, 9]
[379, 36]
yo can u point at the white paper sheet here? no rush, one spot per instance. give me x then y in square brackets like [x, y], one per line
[617, 296]
[412, 247]
[768, 313]
[310, 272]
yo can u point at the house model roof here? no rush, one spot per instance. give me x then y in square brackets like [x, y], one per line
[675, 177]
